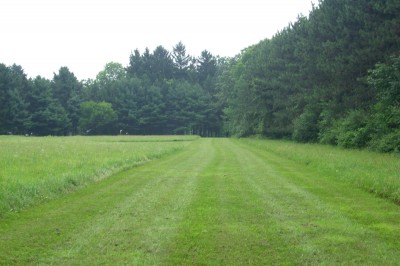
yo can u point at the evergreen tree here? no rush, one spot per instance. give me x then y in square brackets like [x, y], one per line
[181, 61]
[309, 79]
[206, 69]
[161, 65]
[68, 92]
[48, 117]
[135, 67]
[14, 117]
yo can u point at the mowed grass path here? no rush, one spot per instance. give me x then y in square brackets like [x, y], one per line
[217, 202]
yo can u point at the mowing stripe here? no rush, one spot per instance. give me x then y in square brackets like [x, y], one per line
[217, 202]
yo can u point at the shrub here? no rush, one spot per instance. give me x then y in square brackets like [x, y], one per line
[328, 128]
[306, 125]
[353, 130]
[387, 143]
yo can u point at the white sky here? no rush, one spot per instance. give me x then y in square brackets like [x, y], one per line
[84, 35]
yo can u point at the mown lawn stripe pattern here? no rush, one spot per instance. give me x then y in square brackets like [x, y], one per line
[217, 202]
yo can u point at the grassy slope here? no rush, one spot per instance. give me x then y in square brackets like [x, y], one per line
[219, 201]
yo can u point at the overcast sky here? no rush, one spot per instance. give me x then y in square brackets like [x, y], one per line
[84, 35]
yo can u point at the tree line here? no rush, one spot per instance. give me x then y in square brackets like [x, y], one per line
[159, 92]
[330, 77]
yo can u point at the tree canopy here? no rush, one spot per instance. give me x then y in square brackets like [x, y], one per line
[316, 80]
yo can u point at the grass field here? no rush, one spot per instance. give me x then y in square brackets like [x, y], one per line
[38, 169]
[373, 172]
[217, 202]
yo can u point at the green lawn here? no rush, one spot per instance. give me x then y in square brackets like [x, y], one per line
[214, 202]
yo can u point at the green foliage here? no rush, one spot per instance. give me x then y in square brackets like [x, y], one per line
[167, 93]
[112, 72]
[161, 93]
[181, 61]
[306, 125]
[385, 80]
[389, 142]
[207, 68]
[97, 118]
[327, 126]
[353, 131]
[19, 90]
[308, 79]
[67, 90]
[48, 117]
[14, 117]
[158, 93]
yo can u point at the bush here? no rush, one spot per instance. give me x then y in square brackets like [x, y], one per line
[385, 80]
[306, 126]
[353, 130]
[387, 143]
[328, 128]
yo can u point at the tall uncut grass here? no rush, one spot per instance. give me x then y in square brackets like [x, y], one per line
[374, 172]
[33, 169]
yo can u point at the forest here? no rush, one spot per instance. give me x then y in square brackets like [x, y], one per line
[330, 77]
[158, 93]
